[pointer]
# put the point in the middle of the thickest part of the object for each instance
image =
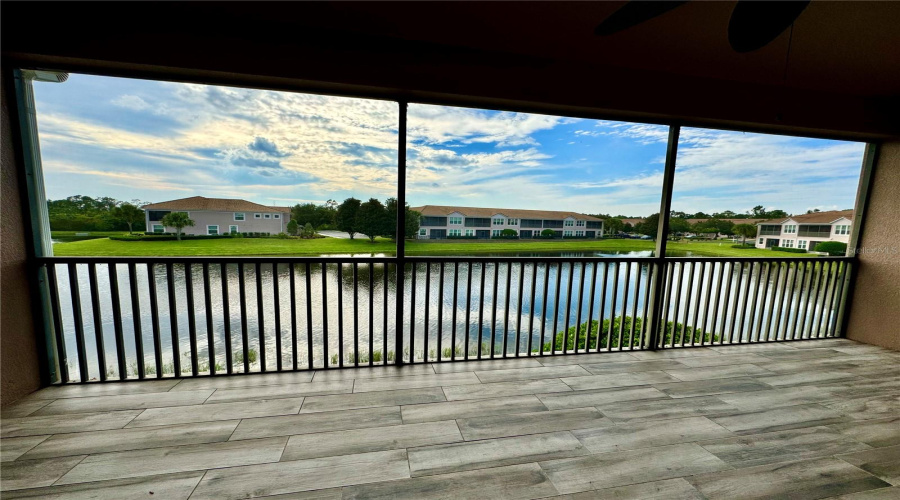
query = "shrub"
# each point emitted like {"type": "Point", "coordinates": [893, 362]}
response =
{"type": "Point", "coordinates": [833, 248]}
{"type": "Point", "coordinates": [744, 245]}
{"type": "Point", "coordinates": [293, 228]}
{"type": "Point", "coordinates": [547, 234]}
{"type": "Point", "coordinates": [789, 250]}
{"type": "Point", "coordinates": [308, 231]}
{"type": "Point", "coordinates": [282, 236]}
{"type": "Point", "coordinates": [462, 237]}
{"type": "Point", "coordinates": [677, 329]}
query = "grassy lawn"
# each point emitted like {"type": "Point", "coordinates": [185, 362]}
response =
{"type": "Point", "coordinates": [274, 246]}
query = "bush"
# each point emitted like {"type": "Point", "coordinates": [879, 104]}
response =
{"type": "Point", "coordinates": [833, 248]}
{"type": "Point", "coordinates": [503, 237]}
{"type": "Point", "coordinates": [282, 236]}
{"type": "Point", "coordinates": [789, 250]}
{"type": "Point", "coordinates": [462, 237]}
{"type": "Point", "coordinates": [167, 237]}
{"type": "Point", "coordinates": [744, 245]}
{"type": "Point", "coordinates": [673, 330]}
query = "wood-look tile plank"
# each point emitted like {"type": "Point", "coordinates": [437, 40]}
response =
{"type": "Point", "coordinates": [717, 372]}
{"type": "Point", "coordinates": [492, 364]}
{"type": "Point", "coordinates": [281, 391]}
{"type": "Point", "coordinates": [811, 377]}
{"type": "Point", "coordinates": [514, 482]}
{"type": "Point", "coordinates": [372, 399]}
{"type": "Point", "coordinates": [505, 389]}
{"type": "Point", "coordinates": [711, 387]}
{"type": "Point", "coordinates": [782, 446]}
{"type": "Point", "coordinates": [170, 459]}
{"type": "Point", "coordinates": [789, 396]}
{"type": "Point", "coordinates": [301, 475]}
{"type": "Point", "coordinates": [879, 494]}
{"type": "Point", "coordinates": [396, 383]}
{"type": "Point", "coordinates": [458, 457]}
{"type": "Point", "coordinates": [348, 442]}
{"type": "Point", "coordinates": [585, 359]}
{"type": "Point", "coordinates": [242, 381]}
{"type": "Point", "coordinates": [334, 375]}
{"type": "Point", "coordinates": [104, 389]}
{"type": "Point", "coordinates": [674, 353]}
{"type": "Point", "coordinates": [803, 480]}
{"type": "Point", "coordinates": [581, 399]}
{"type": "Point", "coordinates": [752, 348]}
{"type": "Point", "coordinates": [778, 419]}
{"type": "Point", "coordinates": [91, 404]}
{"type": "Point", "coordinates": [648, 434]}
{"type": "Point", "coordinates": [867, 408]}
{"type": "Point", "coordinates": [610, 380]}
{"type": "Point", "coordinates": [667, 489]}
{"type": "Point", "coordinates": [219, 411]}
{"type": "Point", "coordinates": [877, 433]}
{"type": "Point", "coordinates": [13, 448]}
{"type": "Point", "coordinates": [308, 423]}
{"type": "Point", "coordinates": [22, 474]}
{"type": "Point", "coordinates": [659, 409]}
{"type": "Point", "coordinates": [326, 494]}
{"type": "Point", "coordinates": [725, 359]}
{"type": "Point", "coordinates": [860, 387]}
{"type": "Point", "coordinates": [23, 408]}
{"type": "Point", "coordinates": [167, 486]}
{"type": "Point", "coordinates": [802, 354]}
{"type": "Point", "coordinates": [543, 372]}
{"type": "Point", "coordinates": [470, 408]}
{"type": "Point", "coordinates": [88, 443]}
{"type": "Point", "coordinates": [607, 470]}
{"type": "Point", "coordinates": [58, 424]}
{"type": "Point", "coordinates": [530, 423]}
{"type": "Point", "coordinates": [634, 366]}
{"type": "Point", "coordinates": [881, 462]}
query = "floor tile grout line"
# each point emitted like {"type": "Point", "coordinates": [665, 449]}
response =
{"type": "Point", "coordinates": [194, 489]}
{"type": "Point", "coordinates": [54, 483]}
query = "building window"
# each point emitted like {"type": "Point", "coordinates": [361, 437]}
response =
{"type": "Point", "coordinates": [423, 232]}
{"type": "Point", "coordinates": [239, 216]}
{"type": "Point", "coordinates": [579, 233]}
{"type": "Point", "coordinates": [159, 228]}
{"type": "Point", "coordinates": [267, 216]}
{"type": "Point", "coordinates": [567, 234]}
{"type": "Point", "coordinates": [760, 241]}
{"type": "Point", "coordinates": [232, 229]}
{"type": "Point", "coordinates": [498, 222]}
{"type": "Point", "coordinates": [842, 230]}
{"type": "Point", "coordinates": [257, 216]}
{"type": "Point", "coordinates": [569, 223]}
{"type": "Point", "coordinates": [470, 232]}
{"type": "Point", "coordinates": [787, 243]}
{"type": "Point", "coordinates": [212, 229]}
{"type": "Point", "coordinates": [512, 222]}
{"type": "Point", "coordinates": [579, 223]}
{"type": "Point", "coordinates": [454, 232]}
{"type": "Point", "coordinates": [276, 216]}
{"type": "Point", "coordinates": [495, 232]}
{"type": "Point", "coordinates": [801, 244]}
{"type": "Point", "coordinates": [455, 221]}
{"type": "Point", "coordinates": [790, 229]}
{"type": "Point", "coordinates": [769, 230]}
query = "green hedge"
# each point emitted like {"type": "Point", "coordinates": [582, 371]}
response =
{"type": "Point", "coordinates": [789, 250]}
{"type": "Point", "coordinates": [505, 237]}
{"type": "Point", "coordinates": [691, 335]}
{"type": "Point", "coordinates": [833, 248]}
{"type": "Point", "coordinates": [167, 237]}
{"type": "Point", "coordinates": [745, 245]}
{"type": "Point", "coordinates": [462, 237]}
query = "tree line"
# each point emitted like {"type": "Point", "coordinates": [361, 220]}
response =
{"type": "Point", "coordinates": [84, 213]}
{"type": "Point", "coordinates": [371, 218]}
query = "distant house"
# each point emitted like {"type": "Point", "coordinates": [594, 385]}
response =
{"type": "Point", "coordinates": [439, 222]}
{"type": "Point", "coordinates": [219, 216]}
{"type": "Point", "coordinates": [805, 231]}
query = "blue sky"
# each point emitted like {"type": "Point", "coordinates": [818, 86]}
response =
{"type": "Point", "coordinates": [156, 141]}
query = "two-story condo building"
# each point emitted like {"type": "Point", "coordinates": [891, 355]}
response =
{"type": "Point", "coordinates": [439, 222]}
{"type": "Point", "coordinates": [219, 216]}
{"type": "Point", "coordinates": [805, 231]}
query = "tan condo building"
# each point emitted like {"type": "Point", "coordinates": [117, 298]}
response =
{"type": "Point", "coordinates": [440, 222]}
{"type": "Point", "coordinates": [214, 216]}
{"type": "Point", "coordinates": [805, 231]}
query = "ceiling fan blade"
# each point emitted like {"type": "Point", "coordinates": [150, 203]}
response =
{"type": "Point", "coordinates": [634, 13]}
{"type": "Point", "coordinates": [754, 25]}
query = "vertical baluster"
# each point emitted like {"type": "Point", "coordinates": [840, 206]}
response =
{"type": "Point", "coordinates": [325, 359]}
{"type": "Point", "coordinates": [426, 327]}
{"type": "Point", "coordinates": [340, 313]}
{"type": "Point", "coordinates": [810, 280]}
{"type": "Point", "coordinates": [440, 312]}
{"type": "Point", "coordinates": [53, 285]}
{"type": "Point", "coordinates": [565, 345]}
{"type": "Point", "coordinates": [590, 315]}
{"type": "Point", "coordinates": [226, 318]}
{"type": "Point", "coordinates": [371, 267]}
{"type": "Point", "coordinates": [689, 276]}
{"type": "Point", "coordinates": [210, 333]}
{"type": "Point", "coordinates": [519, 317]}
{"type": "Point", "coordinates": [602, 311]}
{"type": "Point", "coordinates": [624, 303]}
{"type": "Point", "coordinates": [715, 310]}
{"type": "Point", "coordinates": [412, 314]}
{"type": "Point", "coordinates": [818, 280]}
{"type": "Point", "coordinates": [544, 304]}
{"type": "Point", "coordinates": [260, 318]}
{"type": "Point", "coordinates": [826, 282]}
{"type": "Point", "coordinates": [699, 295]}
{"type": "Point", "coordinates": [836, 297]}
{"type": "Point", "coordinates": [453, 312]}
{"type": "Point", "coordinates": [648, 284]}
{"type": "Point", "coordinates": [770, 309]}
{"type": "Point", "coordinates": [384, 318]}
{"type": "Point", "coordinates": [98, 320]}
{"type": "Point", "coordinates": [494, 308]}
{"type": "Point", "coordinates": [75, 292]}
{"type": "Point", "coordinates": [173, 318]}
{"type": "Point", "coordinates": [801, 267]}
{"type": "Point", "coordinates": [634, 302]}
{"type": "Point", "coordinates": [192, 320]}
{"type": "Point", "coordinates": [531, 307]}
{"type": "Point", "coordinates": [785, 275]}
{"type": "Point", "coordinates": [759, 297]}
{"type": "Point", "coordinates": [737, 299]}
{"type": "Point", "coordinates": [292, 291]}
{"type": "Point", "coordinates": [669, 270]}
{"type": "Point", "coordinates": [245, 332]}
{"type": "Point", "coordinates": [356, 314]}
{"type": "Point", "coordinates": [309, 325]}
{"type": "Point", "coordinates": [706, 300]}
{"type": "Point", "coordinates": [481, 310]}
{"type": "Point", "coordinates": [681, 266]}
{"type": "Point", "coordinates": [506, 309]}
{"type": "Point", "coordinates": [276, 306]}
{"type": "Point", "coordinates": [610, 331]}
{"type": "Point", "coordinates": [556, 306]}
{"type": "Point", "coordinates": [136, 320]}
{"type": "Point", "coordinates": [469, 268]}
{"type": "Point", "coordinates": [154, 320]}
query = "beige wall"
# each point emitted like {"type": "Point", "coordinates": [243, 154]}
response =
{"type": "Point", "coordinates": [19, 367]}
{"type": "Point", "coordinates": [875, 305]}
{"type": "Point", "coordinates": [250, 224]}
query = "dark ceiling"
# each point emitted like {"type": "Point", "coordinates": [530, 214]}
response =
{"type": "Point", "coordinates": [837, 72]}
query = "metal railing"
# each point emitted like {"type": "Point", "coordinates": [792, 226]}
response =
{"type": "Point", "coordinates": [135, 318]}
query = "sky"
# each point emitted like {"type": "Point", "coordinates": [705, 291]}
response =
{"type": "Point", "coordinates": [156, 141]}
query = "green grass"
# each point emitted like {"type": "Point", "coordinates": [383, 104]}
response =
{"type": "Point", "coordinates": [275, 246]}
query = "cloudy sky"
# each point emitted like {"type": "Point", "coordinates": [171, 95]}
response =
{"type": "Point", "coordinates": [156, 141]}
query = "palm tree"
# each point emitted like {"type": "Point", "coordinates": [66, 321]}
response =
{"type": "Point", "coordinates": [178, 220]}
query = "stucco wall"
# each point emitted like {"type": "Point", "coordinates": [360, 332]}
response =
{"type": "Point", "coordinates": [19, 368]}
{"type": "Point", "coordinates": [875, 305]}
{"type": "Point", "coordinates": [250, 224]}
